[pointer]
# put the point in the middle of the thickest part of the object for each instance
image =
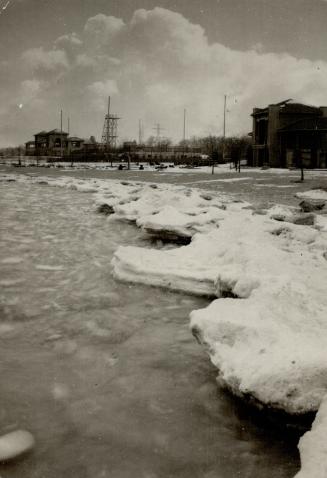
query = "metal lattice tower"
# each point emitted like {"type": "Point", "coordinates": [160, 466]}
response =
{"type": "Point", "coordinates": [158, 129]}
{"type": "Point", "coordinates": [110, 128]}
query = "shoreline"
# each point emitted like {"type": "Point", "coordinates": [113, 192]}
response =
{"type": "Point", "coordinates": [133, 185]}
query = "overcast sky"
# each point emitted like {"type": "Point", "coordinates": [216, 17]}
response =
{"type": "Point", "coordinates": [155, 58]}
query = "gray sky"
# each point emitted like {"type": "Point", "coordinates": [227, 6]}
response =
{"type": "Point", "coordinates": [155, 58]}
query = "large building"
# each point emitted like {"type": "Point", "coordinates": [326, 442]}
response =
{"type": "Point", "coordinates": [53, 143]}
{"type": "Point", "coordinates": [289, 134]}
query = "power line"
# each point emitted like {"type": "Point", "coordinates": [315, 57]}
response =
{"type": "Point", "coordinates": [158, 128]}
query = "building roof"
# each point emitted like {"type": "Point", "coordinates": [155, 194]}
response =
{"type": "Point", "coordinates": [299, 108]}
{"type": "Point", "coordinates": [307, 124]}
{"type": "Point", "coordinates": [53, 131]}
{"type": "Point", "coordinates": [75, 138]}
{"type": "Point", "coordinates": [290, 107]}
{"type": "Point", "coordinates": [57, 131]}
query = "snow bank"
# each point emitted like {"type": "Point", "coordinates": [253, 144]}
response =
{"type": "Point", "coordinates": [313, 448]}
{"type": "Point", "coordinates": [267, 331]}
{"type": "Point", "coordinates": [313, 194]}
{"type": "Point", "coordinates": [182, 224]}
{"type": "Point", "coordinates": [268, 342]}
{"type": "Point", "coordinates": [172, 212]}
{"type": "Point", "coordinates": [292, 214]}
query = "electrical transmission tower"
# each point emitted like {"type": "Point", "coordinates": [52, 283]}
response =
{"type": "Point", "coordinates": [158, 130]}
{"type": "Point", "coordinates": [110, 128]}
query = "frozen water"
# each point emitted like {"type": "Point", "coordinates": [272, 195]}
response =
{"type": "Point", "coordinates": [313, 194]}
{"type": "Point", "coordinates": [106, 375]}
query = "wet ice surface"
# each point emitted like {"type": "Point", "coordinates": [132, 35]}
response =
{"type": "Point", "coordinates": [105, 375]}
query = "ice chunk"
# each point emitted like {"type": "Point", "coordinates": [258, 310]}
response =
{"type": "Point", "coordinates": [313, 448]}
{"type": "Point", "coordinates": [269, 341]}
{"type": "Point", "coordinates": [313, 194]}
{"type": "Point", "coordinates": [15, 444]}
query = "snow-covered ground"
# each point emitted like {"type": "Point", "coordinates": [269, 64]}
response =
{"type": "Point", "coordinates": [266, 331]}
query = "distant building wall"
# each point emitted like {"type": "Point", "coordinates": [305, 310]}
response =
{"type": "Point", "coordinates": [289, 134]}
{"type": "Point", "coordinates": [273, 139]}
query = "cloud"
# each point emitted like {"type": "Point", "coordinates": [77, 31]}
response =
{"type": "Point", "coordinates": [101, 29]}
{"type": "Point", "coordinates": [99, 92]}
{"type": "Point", "coordinates": [42, 61]}
{"type": "Point", "coordinates": [70, 44]}
{"type": "Point", "coordinates": [29, 90]}
{"type": "Point", "coordinates": [154, 66]}
{"type": "Point", "coordinates": [68, 40]}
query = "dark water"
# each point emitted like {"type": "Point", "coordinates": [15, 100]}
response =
{"type": "Point", "coordinates": [107, 376]}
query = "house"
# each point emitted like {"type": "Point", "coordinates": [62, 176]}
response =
{"type": "Point", "coordinates": [290, 134]}
{"type": "Point", "coordinates": [50, 143]}
{"type": "Point", "coordinates": [54, 143]}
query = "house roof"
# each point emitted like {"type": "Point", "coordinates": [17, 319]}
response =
{"type": "Point", "coordinates": [307, 124]}
{"type": "Point", "coordinates": [299, 108]}
{"type": "Point", "coordinates": [75, 138]}
{"type": "Point", "coordinates": [290, 107]}
{"type": "Point", "coordinates": [53, 131]}
{"type": "Point", "coordinates": [57, 131]}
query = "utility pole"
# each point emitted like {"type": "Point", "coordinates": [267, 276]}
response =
{"type": "Point", "coordinates": [61, 150]}
{"type": "Point", "coordinates": [140, 132]}
{"type": "Point", "coordinates": [68, 125]}
{"type": "Point", "coordinates": [184, 125]}
{"type": "Point", "coordinates": [184, 128]}
{"type": "Point", "coordinates": [224, 130]}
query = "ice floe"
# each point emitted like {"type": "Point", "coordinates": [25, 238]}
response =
{"type": "Point", "coordinates": [313, 194]}
{"type": "Point", "coordinates": [264, 334]}
{"type": "Point", "coordinates": [266, 330]}
{"type": "Point", "coordinates": [313, 449]}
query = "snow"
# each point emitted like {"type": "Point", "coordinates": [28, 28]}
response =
{"type": "Point", "coordinates": [280, 186]}
{"type": "Point", "coordinates": [321, 223]}
{"type": "Point", "coordinates": [228, 180]}
{"type": "Point", "coordinates": [15, 444]}
{"type": "Point", "coordinates": [268, 342]}
{"type": "Point", "coordinates": [266, 329]}
{"type": "Point", "coordinates": [313, 194]}
{"type": "Point", "coordinates": [281, 212]}
{"type": "Point", "coordinates": [165, 209]}
{"type": "Point", "coordinates": [292, 214]}
{"type": "Point", "coordinates": [45, 267]}
{"type": "Point", "coordinates": [183, 224]}
{"type": "Point", "coordinates": [313, 448]}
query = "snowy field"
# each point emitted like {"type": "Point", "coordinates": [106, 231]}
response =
{"type": "Point", "coordinates": [264, 267]}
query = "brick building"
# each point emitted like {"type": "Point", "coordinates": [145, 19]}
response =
{"type": "Point", "coordinates": [289, 134]}
{"type": "Point", "coordinates": [53, 143]}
